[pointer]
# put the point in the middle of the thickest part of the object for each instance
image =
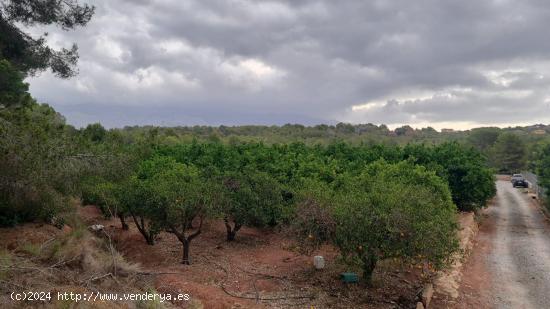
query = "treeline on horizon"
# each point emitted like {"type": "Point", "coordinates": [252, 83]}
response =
{"type": "Point", "coordinates": [507, 150]}
{"type": "Point", "coordinates": [353, 133]}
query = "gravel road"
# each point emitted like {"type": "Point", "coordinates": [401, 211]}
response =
{"type": "Point", "coordinates": [518, 261]}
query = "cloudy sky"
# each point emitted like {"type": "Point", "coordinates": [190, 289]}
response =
{"type": "Point", "coordinates": [455, 64]}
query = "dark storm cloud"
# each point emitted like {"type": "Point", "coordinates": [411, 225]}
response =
{"type": "Point", "coordinates": [453, 63]}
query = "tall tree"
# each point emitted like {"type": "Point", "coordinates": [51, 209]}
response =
{"type": "Point", "coordinates": [508, 153]}
{"type": "Point", "coordinates": [13, 91]}
{"type": "Point", "coordinates": [32, 55]}
{"type": "Point", "coordinates": [483, 138]}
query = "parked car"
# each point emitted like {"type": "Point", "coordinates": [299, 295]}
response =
{"type": "Point", "coordinates": [519, 181]}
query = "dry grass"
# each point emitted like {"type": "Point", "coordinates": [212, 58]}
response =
{"type": "Point", "coordinates": [77, 261]}
{"type": "Point", "coordinates": [91, 254]}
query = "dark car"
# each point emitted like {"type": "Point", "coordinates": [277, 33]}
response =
{"type": "Point", "coordinates": [518, 181]}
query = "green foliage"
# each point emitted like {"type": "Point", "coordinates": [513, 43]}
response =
{"type": "Point", "coordinates": [472, 184]}
{"type": "Point", "coordinates": [509, 153]}
{"type": "Point", "coordinates": [36, 173]}
{"type": "Point", "coordinates": [186, 197]}
{"type": "Point", "coordinates": [167, 195]}
{"type": "Point", "coordinates": [395, 210]}
{"type": "Point", "coordinates": [94, 132]}
{"type": "Point", "coordinates": [464, 168]}
{"type": "Point", "coordinates": [313, 222]}
{"type": "Point", "coordinates": [254, 199]}
{"type": "Point", "coordinates": [138, 199]}
{"type": "Point", "coordinates": [470, 181]}
{"type": "Point", "coordinates": [30, 55]}
{"type": "Point", "coordinates": [13, 91]}
{"type": "Point", "coordinates": [105, 195]}
{"type": "Point", "coordinates": [483, 138]}
{"type": "Point", "coordinates": [543, 167]}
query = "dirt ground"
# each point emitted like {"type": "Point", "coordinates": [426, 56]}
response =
{"type": "Point", "coordinates": [260, 269]}
{"type": "Point", "coordinates": [475, 284]}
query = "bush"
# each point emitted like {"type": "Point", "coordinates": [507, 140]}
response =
{"type": "Point", "coordinates": [395, 210]}
{"type": "Point", "coordinates": [106, 195]}
{"type": "Point", "coordinates": [543, 167]}
{"type": "Point", "coordinates": [35, 176]}
{"type": "Point", "coordinates": [471, 182]}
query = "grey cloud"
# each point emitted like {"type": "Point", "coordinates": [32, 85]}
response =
{"type": "Point", "coordinates": [244, 60]}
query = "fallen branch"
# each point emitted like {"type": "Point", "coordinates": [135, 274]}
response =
{"type": "Point", "coordinates": [158, 273]}
{"type": "Point", "coordinates": [47, 242]}
{"type": "Point", "coordinates": [92, 278]}
{"type": "Point", "coordinates": [63, 262]}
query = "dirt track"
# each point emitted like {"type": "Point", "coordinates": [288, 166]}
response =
{"type": "Point", "coordinates": [510, 264]}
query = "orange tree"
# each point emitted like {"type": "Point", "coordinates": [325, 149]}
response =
{"type": "Point", "coordinates": [254, 199]}
{"type": "Point", "coordinates": [184, 197]}
{"type": "Point", "coordinates": [165, 195]}
{"type": "Point", "coordinates": [394, 210]}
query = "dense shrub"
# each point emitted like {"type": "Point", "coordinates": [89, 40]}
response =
{"type": "Point", "coordinates": [36, 173]}
{"type": "Point", "coordinates": [107, 196]}
{"type": "Point", "coordinates": [542, 166]}
{"type": "Point", "coordinates": [471, 182]}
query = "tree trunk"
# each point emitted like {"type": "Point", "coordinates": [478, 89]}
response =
{"type": "Point", "coordinates": [150, 240]}
{"type": "Point", "coordinates": [185, 259]}
{"type": "Point", "coordinates": [231, 235]}
{"type": "Point", "coordinates": [186, 241]}
{"type": "Point", "coordinates": [231, 232]}
{"type": "Point", "coordinates": [125, 226]}
{"type": "Point", "coordinates": [369, 264]}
